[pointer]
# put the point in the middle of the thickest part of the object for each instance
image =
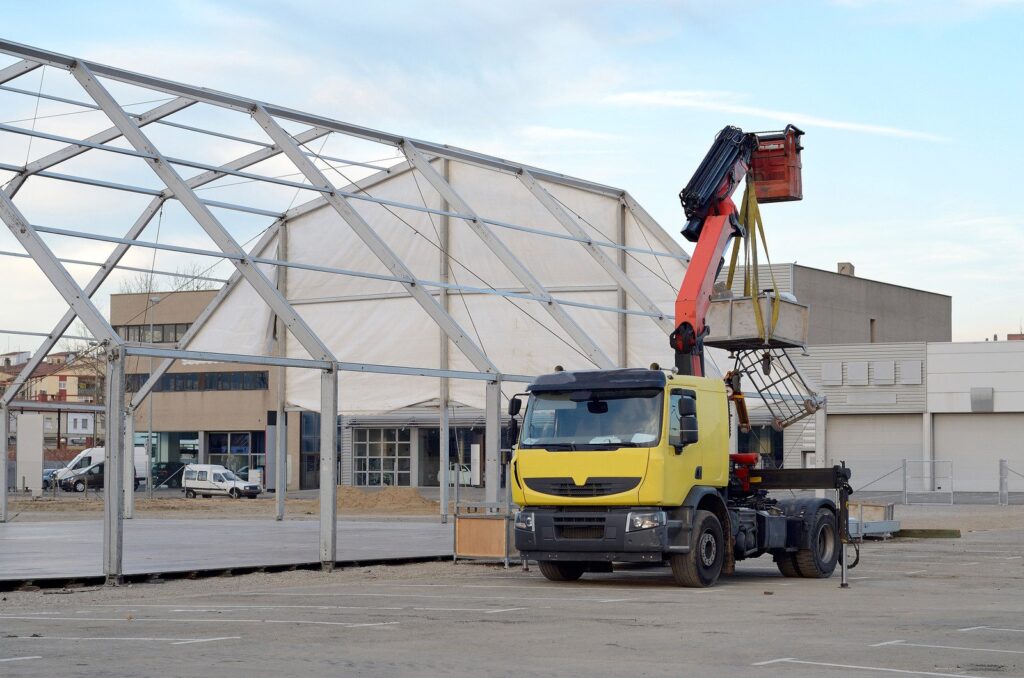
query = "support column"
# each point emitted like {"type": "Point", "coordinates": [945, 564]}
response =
{"type": "Point", "coordinates": [201, 456]}
{"type": "Point", "coordinates": [444, 433]}
{"type": "Point", "coordinates": [281, 430]}
{"type": "Point", "coordinates": [621, 299]}
{"type": "Point", "coordinates": [492, 443]}
{"type": "Point", "coordinates": [328, 469]}
{"type": "Point", "coordinates": [129, 465]}
{"type": "Point", "coordinates": [281, 448]}
{"type": "Point", "coordinates": [5, 420]}
{"type": "Point", "coordinates": [113, 525]}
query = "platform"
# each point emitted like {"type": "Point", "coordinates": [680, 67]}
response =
{"type": "Point", "coordinates": [74, 549]}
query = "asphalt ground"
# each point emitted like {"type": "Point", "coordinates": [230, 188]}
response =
{"type": "Point", "coordinates": [924, 607]}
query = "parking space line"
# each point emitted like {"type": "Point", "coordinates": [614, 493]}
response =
{"type": "Point", "coordinates": [219, 621]}
{"type": "Point", "coordinates": [903, 643]}
{"type": "Point", "coordinates": [20, 659]}
{"type": "Point", "coordinates": [206, 640]}
{"type": "Point", "coordinates": [443, 597]}
{"type": "Point", "coordinates": [915, 572]}
{"type": "Point", "coordinates": [790, 660]}
{"type": "Point", "coordinates": [991, 628]}
{"type": "Point", "coordinates": [141, 639]}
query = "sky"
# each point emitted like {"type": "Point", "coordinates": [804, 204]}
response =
{"type": "Point", "coordinates": [911, 109]}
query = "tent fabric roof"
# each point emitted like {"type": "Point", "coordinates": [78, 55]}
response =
{"type": "Point", "coordinates": [371, 320]}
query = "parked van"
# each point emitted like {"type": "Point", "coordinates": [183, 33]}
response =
{"type": "Point", "coordinates": [211, 479]}
{"type": "Point", "coordinates": [91, 456]}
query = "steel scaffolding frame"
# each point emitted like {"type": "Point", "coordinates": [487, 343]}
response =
{"type": "Point", "coordinates": [423, 158]}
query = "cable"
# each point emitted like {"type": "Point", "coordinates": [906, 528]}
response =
{"type": "Point", "coordinates": [35, 115]}
{"type": "Point", "coordinates": [90, 110]}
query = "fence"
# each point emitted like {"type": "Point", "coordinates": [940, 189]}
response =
{"type": "Point", "coordinates": [1008, 478]}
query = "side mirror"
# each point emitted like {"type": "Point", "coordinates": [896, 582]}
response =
{"type": "Point", "coordinates": [687, 429]}
{"type": "Point", "coordinates": [514, 405]}
{"type": "Point", "coordinates": [513, 432]}
{"type": "Point", "coordinates": [688, 406]}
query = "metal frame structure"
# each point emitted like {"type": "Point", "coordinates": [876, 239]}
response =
{"type": "Point", "coordinates": [427, 159]}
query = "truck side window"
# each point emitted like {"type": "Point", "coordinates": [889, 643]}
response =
{"type": "Point", "coordinates": [218, 478]}
{"type": "Point", "coordinates": [673, 419]}
{"type": "Point", "coordinates": [202, 475]}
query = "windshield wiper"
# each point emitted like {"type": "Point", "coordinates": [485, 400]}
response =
{"type": "Point", "coordinates": [557, 446]}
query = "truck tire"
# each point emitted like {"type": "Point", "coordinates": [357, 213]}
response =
{"type": "Point", "coordinates": [701, 567]}
{"type": "Point", "coordinates": [79, 486]}
{"type": "Point", "coordinates": [786, 563]}
{"type": "Point", "coordinates": [819, 561]}
{"type": "Point", "coordinates": [560, 571]}
{"type": "Point", "coordinates": [190, 494]}
{"type": "Point", "coordinates": [234, 493]}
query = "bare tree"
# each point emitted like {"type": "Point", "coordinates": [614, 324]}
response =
{"type": "Point", "coordinates": [191, 277]}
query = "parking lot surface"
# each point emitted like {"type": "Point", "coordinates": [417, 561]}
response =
{"type": "Point", "coordinates": [915, 607]}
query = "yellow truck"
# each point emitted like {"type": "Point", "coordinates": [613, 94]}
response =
{"type": "Point", "coordinates": [633, 465]}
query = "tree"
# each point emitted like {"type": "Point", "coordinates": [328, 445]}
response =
{"type": "Point", "coordinates": [190, 278]}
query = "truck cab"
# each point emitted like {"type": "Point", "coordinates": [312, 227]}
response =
{"type": "Point", "coordinates": [633, 465]}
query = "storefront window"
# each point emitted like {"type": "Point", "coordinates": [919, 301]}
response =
{"type": "Point", "coordinates": [382, 456]}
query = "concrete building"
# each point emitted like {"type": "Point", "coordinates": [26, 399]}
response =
{"type": "Point", "coordinates": [953, 410]}
{"type": "Point", "coordinates": [845, 309]}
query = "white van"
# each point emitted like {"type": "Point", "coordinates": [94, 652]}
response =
{"type": "Point", "coordinates": [94, 455]}
{"type": "Point", "coordinates": [211, 479]}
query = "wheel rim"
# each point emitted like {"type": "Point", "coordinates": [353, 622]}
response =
{"type": "Point", "coordinates": [707, 548]}
{"type": "Point", "coordinates": [826, 543]}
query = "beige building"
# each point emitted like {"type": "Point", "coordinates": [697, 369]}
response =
{"type": "Point", "coordinates": [64, 377]}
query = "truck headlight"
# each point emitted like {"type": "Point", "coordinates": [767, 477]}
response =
{"type": "Point", "coordinates": [644, 521]}
{"type": "Point", "coordinates": [524, 520]}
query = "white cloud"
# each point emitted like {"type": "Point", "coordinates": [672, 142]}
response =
{"type": "Point", "coordinates": [540, 133]}
{"type": "Point", "coordinates": [724, 102]}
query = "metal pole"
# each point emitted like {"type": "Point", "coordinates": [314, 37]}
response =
{"type": "Point", "coordinates": [280, 430]}
{"type": "Point", "coordinates": [443, 432]}
{"type": "Point", "coordinates": [149, 433]}
{"type": "Point", "coordinates": [492, 443]}
{"type": "Point", "coordinates": [328, 469]}
{"type": "Point", "coordinates": [281, 448]}
{"type": "Point", "coordinates": [128, 463]}
{"type": "Point", "coordinates": [904, 482]}
{"type": "Point", "coordinates": [1004, 483]}
{"type": "Point", "coordinates": [445, 453]}
{"type": "Point", "coordinates": [113, 525]}
{"type": "Point", "coordinates": [4, 423]}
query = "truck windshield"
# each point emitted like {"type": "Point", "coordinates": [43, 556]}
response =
{"type": "Point", "coordinates": [593, 420]}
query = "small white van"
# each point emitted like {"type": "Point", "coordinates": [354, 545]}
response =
{"type": "Point", "coordinates": [210, 479]}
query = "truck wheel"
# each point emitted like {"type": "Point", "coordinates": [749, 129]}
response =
{"type": "Point", "coordinates": [701, 566]}
{"type": "Point", "coordinates": [560, 571]}
{"type": "Point", "coordinates": [79, 486]}
{"type": "Point", "coordinates": [190, 494]}
{"type": "Point", "coordinates": [786, 563]}
{"type": "Point", "coordinates": [819, 561]}
{"type": "Point", "coordinates": [234, 493]}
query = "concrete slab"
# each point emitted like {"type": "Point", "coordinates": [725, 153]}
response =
{"type": "Point", "coordinates": [74, 549]}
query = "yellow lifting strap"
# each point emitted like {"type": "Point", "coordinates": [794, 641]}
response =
{"type": "Point", "coordinates": [750, 219]}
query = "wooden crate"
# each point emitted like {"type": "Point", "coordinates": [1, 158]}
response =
{"type": "Point", "coordinates": [482, 536]}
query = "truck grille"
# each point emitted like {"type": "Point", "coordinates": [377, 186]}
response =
{"type": "Point", "coordinates": [594, 487]}
{"type": "Point", "coordinates": [581, 527]}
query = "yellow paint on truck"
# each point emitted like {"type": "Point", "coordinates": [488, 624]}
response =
{"type": "Point", "coordinates": [667, 474]}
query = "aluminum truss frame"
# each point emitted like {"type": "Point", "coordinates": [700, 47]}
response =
{"type": "Point", "coordinates": [420, 155]}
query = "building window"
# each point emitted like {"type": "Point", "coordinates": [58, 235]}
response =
{"type": "Point", "coordinates": [382, 456]}
{"type": "Point", "coordinates": [160, 333]}
{"type": "Point", "coordinates": [203, 381]}
{"type": "Point", "coordinates": [764, 440]}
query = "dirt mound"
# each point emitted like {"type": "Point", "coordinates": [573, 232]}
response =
{"type": "Point", "coordinates": [384, 500]}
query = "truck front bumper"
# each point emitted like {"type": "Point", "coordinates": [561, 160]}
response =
{"type": "Point", "coordinates": [598, 535]}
